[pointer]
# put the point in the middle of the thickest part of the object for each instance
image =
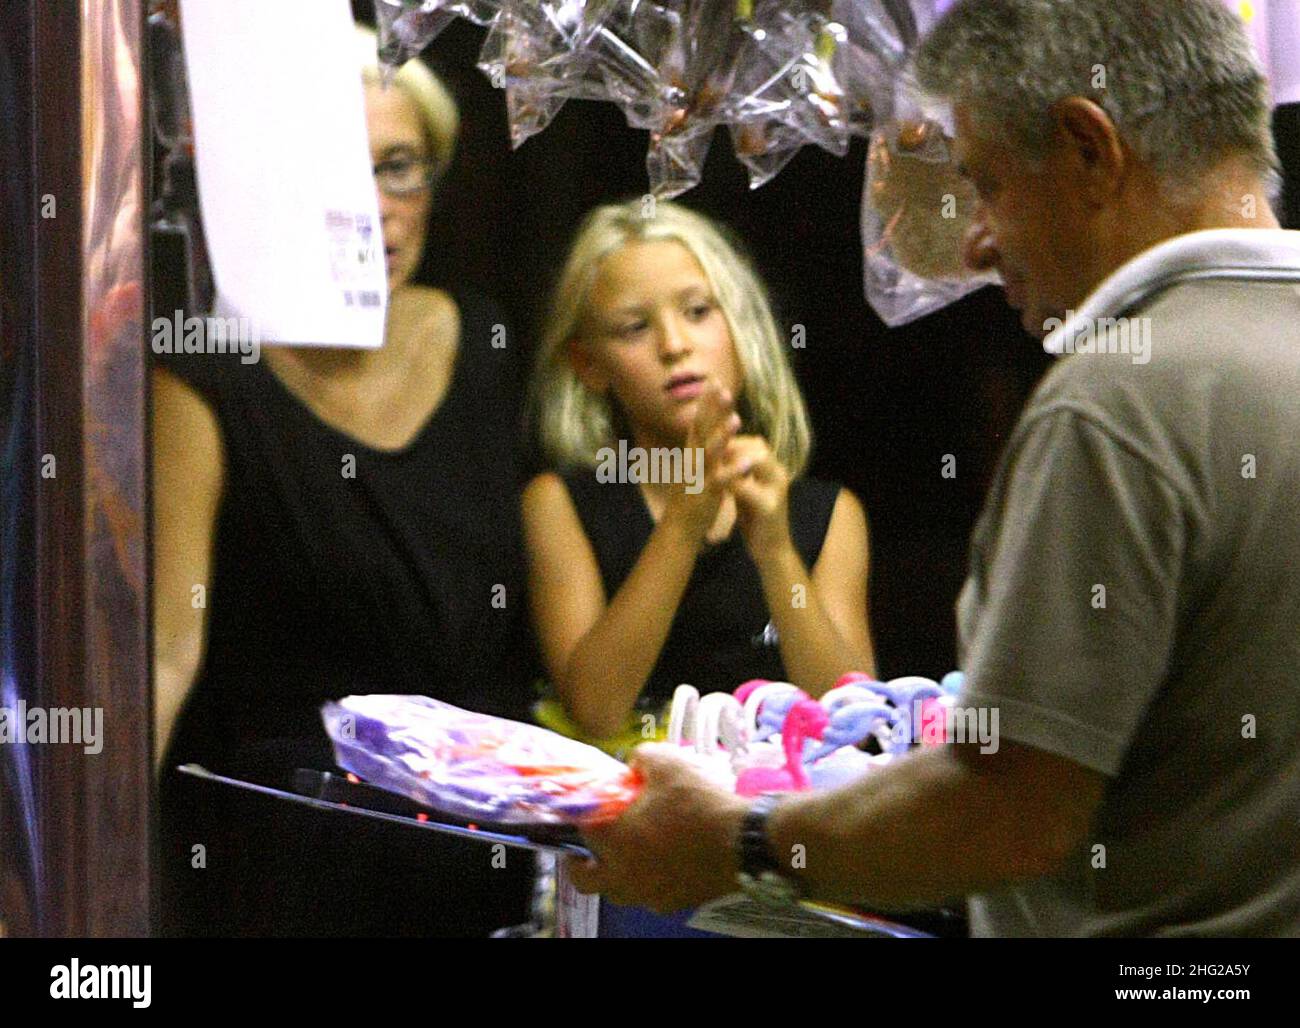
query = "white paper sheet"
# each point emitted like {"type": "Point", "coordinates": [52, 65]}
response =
{"type": "Point", "coordinates": [283, 160]}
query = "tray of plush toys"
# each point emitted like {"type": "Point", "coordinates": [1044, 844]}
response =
{"type": "Point", "coordinates": [763, 737]}
{"type": "Point", "coordinates": [434, 766]}
{"type": "Point", "coordinates": [773, 737]}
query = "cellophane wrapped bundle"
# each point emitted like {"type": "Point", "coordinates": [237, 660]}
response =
{"type": "Point", "coordinates": [779, 74]}
{"type": "Point", "coordinates": [872, 47]}
{"type": "Point", "coordinates": [537, 50]}
{"type": "Point", "coordinates": [406, 27]}
{"type": "Point", "coordinates": [916, 209]}
{"type": "Point", "coordinates": [784, 94]}
{"type": "Point", "coordinates": [670, 66]}
{"type": "Point", "coordinates": [475, 766]}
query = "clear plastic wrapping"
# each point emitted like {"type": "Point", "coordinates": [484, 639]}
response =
{"type": "Point", "coordinates": [670, 66]}
{"type": "Point", "coordinates": [916, 210]}
{"type": "Point", "coordinates": [785, 93]}
{"type": "Point", "coordinates": [824, 69]}
{"type": "Point", "coordinates": [537, 51]}
{"type": "Point", "coordinates": [876, 38]}
{"type": "Point", "coordinates": [406, 27]}
{"type": "Point", "coordinates": [475, 766]}
{"type": "Point", "coordinates": [779, 74]}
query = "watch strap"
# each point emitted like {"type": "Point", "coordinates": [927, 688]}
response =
{"type": "Point", "coordinates": [756, 856]}
{"type": "Point", "coordinates": [761, 876]}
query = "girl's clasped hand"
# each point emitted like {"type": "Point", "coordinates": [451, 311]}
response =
{"type": "Point", "coordinates": [739, 468]}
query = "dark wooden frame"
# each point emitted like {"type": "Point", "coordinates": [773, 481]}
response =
{"type": "Point", "coordinates": [75, 828]}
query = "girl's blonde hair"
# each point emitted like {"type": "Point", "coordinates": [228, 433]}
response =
{"type": "Point", "coordinates": [573, 423]}
{"type": "Point", "coordinates": [432, 99]}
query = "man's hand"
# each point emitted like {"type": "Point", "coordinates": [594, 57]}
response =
{"type": "Point", "coordinates": [674, 848]}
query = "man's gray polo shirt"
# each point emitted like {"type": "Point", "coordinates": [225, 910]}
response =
{"type": "Point", "coordinates": [1134, 605]}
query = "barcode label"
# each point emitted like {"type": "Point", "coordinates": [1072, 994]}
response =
{"type": "Point", "coordinates": [338, 221]}
{"type": "Point", "coordinates": [353, 257]}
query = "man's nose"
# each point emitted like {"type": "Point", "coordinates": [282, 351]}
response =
{"type": "Point", "coordinates": [979, 250]}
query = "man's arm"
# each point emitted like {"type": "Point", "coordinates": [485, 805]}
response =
{"type": "Point", "coordinates": [943, 823]}
{"type": "Point", "coordinates": [937, 825]}
{"type": "Point", "coordinates": [1071, 641]}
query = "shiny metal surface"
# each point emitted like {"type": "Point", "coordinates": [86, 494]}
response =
{"type": "Point", "coordinates": [74, 825]}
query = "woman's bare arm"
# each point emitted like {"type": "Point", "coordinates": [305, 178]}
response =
{"type": "Point", "coordinates": [188, 474]}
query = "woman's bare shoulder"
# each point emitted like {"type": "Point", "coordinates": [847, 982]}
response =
{"type": "Point", "coordinates": [433, 297]}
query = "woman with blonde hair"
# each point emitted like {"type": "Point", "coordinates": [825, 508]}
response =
{"type": "Point", "coordinates": [677, 540]}
{"type": "Point", "coordinates": [351, 517]}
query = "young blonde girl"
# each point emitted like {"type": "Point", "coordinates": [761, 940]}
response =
{"type": "Point", "coordinates": [661, 337]}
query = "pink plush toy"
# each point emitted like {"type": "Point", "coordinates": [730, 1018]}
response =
{"type": "Point", "coordinates": [807, 719]}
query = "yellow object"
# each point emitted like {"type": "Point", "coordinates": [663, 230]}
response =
{"type": "Point", "coordinates": [639, 728]}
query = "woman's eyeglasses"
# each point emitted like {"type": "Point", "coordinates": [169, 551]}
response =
{"type": "Point", "coordinates": [405, 176]}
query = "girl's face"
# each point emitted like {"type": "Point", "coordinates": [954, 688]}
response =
{"type": "Point", "coordinates": [400, 150]}
{"type": "Point", "coordinates": [654, 337]}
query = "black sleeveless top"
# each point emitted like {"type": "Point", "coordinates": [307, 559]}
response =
{"type": "Point", "coordinates": [722, 634]}
{"type": "Point", "coordinates": [341, 569]}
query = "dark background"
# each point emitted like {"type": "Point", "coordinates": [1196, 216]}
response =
{"type": "Point", "coordinates": [887, 404]}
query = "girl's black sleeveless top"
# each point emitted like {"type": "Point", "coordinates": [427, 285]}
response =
{"type": "Point", "coordinates": [722, 634]}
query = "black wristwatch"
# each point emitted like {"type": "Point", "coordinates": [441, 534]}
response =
{"type": "Point", "coordinates": [760, 871]}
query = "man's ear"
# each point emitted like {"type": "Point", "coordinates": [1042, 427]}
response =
{"type": "Point", "coordinates": [1091, 145]}
{"type": "Point", "coordinates": [589, 373]}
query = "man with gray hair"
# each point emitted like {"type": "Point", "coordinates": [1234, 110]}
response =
{"type": "Point", "coordinates": [1133, 606]}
